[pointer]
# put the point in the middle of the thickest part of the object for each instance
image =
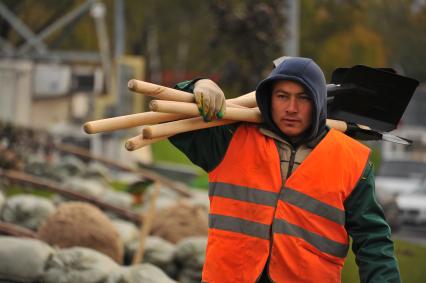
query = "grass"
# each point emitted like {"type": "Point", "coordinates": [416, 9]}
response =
{"type": "Point", "coordinates": [411, 257]}
{"type": "Point", "coordinates": [15, 189]}
{"type": "Point", "coordinates": [164, 151]}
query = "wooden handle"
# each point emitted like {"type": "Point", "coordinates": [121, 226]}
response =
{"type": "Point", "coordinates": [247, 100]}
{"type": "Point", "coordinates": [190, 109]}
{"type": "Point", "coordinates": [138, 142]}
{"type": "Point", "coordinates": [148, 118]}
{"type": "Point", "coordinates": [129, 121]}
{"type": "Point", "coordinates": [147, 225]}
{"type": "Point", "coordinates": [181, 126]}
{"type": "Point", "coordinates": [342, 126]}
{"type": "Point", "coordinates": [160, 92]}
{"type": "Point", "coordinates": [167, 93]}
{"type": "Point", "coordinates": [337, 125]}
{"type": "Point", "coordinates": [192, 124]}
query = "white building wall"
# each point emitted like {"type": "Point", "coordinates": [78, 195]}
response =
{"type": "Point", "coordinates": [16, 91]}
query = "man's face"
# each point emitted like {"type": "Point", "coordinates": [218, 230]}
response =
{"type": "Point", "coordinates": [291, 108]}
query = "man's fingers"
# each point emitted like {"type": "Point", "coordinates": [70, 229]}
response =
{"type": "Point", "coordinates": [210, 115]}
{"type": "Point", "coordinates": [199, 100]}
{"type": "Point", "coordinates": [207, 106]}
{"type": "Point", "coordinates": [222, 109]}
{"type": "Point", "coordinates": [217, 106]}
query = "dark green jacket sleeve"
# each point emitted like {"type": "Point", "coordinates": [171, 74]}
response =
{"type": "Point", "coordinates": [207, 147]}
{"type": "Point", "coordinates": [371, 242]}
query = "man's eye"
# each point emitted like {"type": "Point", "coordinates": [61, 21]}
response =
{"type": "Point", "coordinates": [305, 97]}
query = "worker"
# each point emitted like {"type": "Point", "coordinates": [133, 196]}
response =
{"type": "Point", "coordinates": [286, 195]}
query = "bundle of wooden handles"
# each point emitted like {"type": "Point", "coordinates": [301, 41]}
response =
{"type": "Point", "coordinates": [174, 111]}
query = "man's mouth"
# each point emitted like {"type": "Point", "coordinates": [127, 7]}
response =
{"type": "Point", "coordinates": [289, 120]}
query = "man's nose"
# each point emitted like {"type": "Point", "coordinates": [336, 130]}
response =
{"type": "Point", "coordinates": [292, 106]}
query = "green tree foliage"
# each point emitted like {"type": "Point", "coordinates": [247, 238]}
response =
{"type": "Point", "coordinates": [402, 24]}
{"type": "Point", "coordinates": [358, 45]}
{"type": "Point", "coordinates": [235, 41]}
{"type": "Point", "coordinates": [388, 33]}
{"type": "Point", "coordinates": [249, 34]}
{"type": "Point", "coordinates": [336, 34]}
{"type": "Point", "coordinates": [177, 23]}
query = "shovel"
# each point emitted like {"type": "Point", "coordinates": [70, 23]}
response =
{"type": "Point", "coordinates": [369, 96]}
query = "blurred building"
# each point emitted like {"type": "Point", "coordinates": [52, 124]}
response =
{"type": "Point", "coordinates": [58, 90]}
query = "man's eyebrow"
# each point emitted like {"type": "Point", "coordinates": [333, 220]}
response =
{"type": "Point", "coordinates": [286, 92]}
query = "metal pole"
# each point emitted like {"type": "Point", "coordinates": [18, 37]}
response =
{"type": "Point", "coordinates": [119, 34]}
{"type": "Point", "coordinates": [291, 11]}
{"type": "Point", "coordinates": [98, 13]}
{"type": "Point", "coordinates": [56, 25]}
{"type": "Point", "coordinates": [119, 29]}
{"type": "Point", "coordinates": [21, 28]}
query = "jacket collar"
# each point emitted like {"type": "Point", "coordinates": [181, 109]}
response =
{"type": "Point", "coordinates": [311, 144]}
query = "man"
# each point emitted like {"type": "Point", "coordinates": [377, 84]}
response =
{"type": "Point", "coordinates": [286, 195]}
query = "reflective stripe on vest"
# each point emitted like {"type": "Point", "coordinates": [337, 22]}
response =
{"type": "Point", "coordinates": [321, 243]}
{"type": "Point", "coordinates": [243, 193]}
{"type": "Point", "coordinates": [313, 205]}
{"type": "Point", "coordinates": [248, 195]}
{"type": "Point", "coordinates": [234, 224]}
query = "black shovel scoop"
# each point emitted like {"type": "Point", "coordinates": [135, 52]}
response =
{"type": "Point", "coordinates": [369, 96]}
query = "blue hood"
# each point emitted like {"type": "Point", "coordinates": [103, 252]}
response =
{"type": "Point", "coordinates": [306, 72]}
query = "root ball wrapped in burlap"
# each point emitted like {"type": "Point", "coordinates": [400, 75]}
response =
{"type": "Point", "coordinates": [180, 221]}
{"type": "Point", "coordinates": [82, 224]}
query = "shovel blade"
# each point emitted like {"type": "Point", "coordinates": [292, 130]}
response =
{"type": "Point", "coordinates": [378, 97]}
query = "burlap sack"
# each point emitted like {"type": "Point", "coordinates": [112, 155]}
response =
{"type": "Point", "coordinates": [158, 252]}
{"type": "Point", "coordinates": [80, 265]}
{"type": "Point", "coordinates": [91, 187]}
{"type": "Point", "coordinates": [188, 275]}
{"type": "Point", "coordinates": [23, 260]}
{"type": "Point", "coordinates": [127, 230]}
{"type": "Point", "coordinates": [141, 273]}
{"type": "Point", "coordinates": [120, 199]}
{"type": "Point", "coordinates": [27, 210]}
{"type": "Point", "coordinates": [191, 252]}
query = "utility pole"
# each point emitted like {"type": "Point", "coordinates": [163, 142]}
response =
{"type": "Point", "coordinates": [291, 12]}
{"type": "Point", "coordinates": [120, 38]}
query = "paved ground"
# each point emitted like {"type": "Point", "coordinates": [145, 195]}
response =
{"type": "Point", "coordinates": [412, 234]}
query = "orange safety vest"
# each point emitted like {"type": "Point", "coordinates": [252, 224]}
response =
{"type": "Point", "coordinates": [299, 226]}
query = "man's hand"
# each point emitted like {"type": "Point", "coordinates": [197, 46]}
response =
{"type": "Point", "coordinates": [210, 99]}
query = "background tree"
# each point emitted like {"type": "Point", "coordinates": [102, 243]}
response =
{"type": "Point", "coordinates": [248, 35]}
{"type": "Point", "coordinates": [336, 34]}
{"type": "Point", "coordinates": [402, 25]}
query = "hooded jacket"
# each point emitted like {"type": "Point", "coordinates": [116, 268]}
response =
{"type": "Point", "coordinates": [306, 72]}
